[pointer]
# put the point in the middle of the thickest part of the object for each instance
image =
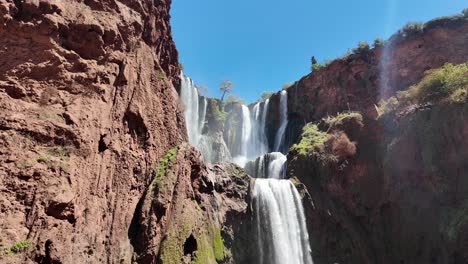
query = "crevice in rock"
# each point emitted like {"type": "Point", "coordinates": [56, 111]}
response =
{"type": "Point", "coordinates": [121, 78]}
{"type": "Point", "coordinates": [47, 258]}
{"type": "Point", "coordinates": [102, 146]}
{"type": "Point", "coordinates": [136, 127]}
{"type": "Point", "coordinates": [62, 211]}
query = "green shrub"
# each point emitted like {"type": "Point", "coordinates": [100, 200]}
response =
{"type": "Point", "coordinates": [447, 84]}
{"type": "Point", "coordinates": [378, 42]}
{"type": "Point", "coordinates": [312, 141]}
{"type": "Point", "coordinates": [16, 248]}
{"type": "Point", "coordinates": [218, 110]}
{"type": "Point", "coordinates": [20, 246]}
{"type": "Point", "coordinates": [342, 118]}
{"type": "Point", "coordinates": [412, 28]}
{"type": "Point", "coordinates": [319, 66]}
{"type": "Point", "coordinates": [362, 47]}
{"type": "Point", "coordinates": [441, 83]}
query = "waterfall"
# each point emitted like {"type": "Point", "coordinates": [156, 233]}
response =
{"type": "Point", "coordinates": [189, 97]}
{"type": "Point", "coordinates": [281, 227]}
{"type": "Point", "coordinates": [279, 215]}
{"type": "Point", "coordinates": [202, 115]}
{"type": "Point", "coordinates": [258, 140]}
{"type": "Point", "coordinates": [270, 165]}
{"type": "Point", "coordinates": [279, 139]}
{"type": "Point", "coordinates": [212, 147]}
{"type": "Point", "coordinates": [246, 131]}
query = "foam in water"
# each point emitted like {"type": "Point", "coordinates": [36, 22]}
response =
{"type": "Point", "coordinates": [279, 139]}
{"type": "Point", "coordinates": [281, 227]}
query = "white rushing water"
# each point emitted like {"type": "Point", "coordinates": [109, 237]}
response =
{"type": "Point", "coordinates": [281, 227]}
{"type": "Point", "coordinates": [258, 140]}
{"type": "Point", "coordinates": [270, 165]}
{"type": "Point", "coordinates": [189, 97]}
{"type": "Point", "coordinates": [279, 139]}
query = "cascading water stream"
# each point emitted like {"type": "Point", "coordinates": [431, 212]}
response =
{"type": "Point", "coordinates": [279, 139]}
{"type": "Point", "coordinates": [189, 97]}
{"type": "Point", "coordinates": [281, 227]}
{"type": "Point", "coordinates": [212, 147]}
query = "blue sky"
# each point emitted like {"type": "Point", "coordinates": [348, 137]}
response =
{"type": "Point", "coordinates": [262, 44]}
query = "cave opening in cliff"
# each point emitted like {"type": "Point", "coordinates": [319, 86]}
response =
{"type": "Point", "coordinates": [190, 246]}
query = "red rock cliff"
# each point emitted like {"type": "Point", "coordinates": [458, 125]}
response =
{"type": "Point", "coordinates": [88, 107]}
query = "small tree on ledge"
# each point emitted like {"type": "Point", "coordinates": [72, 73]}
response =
{"type": "Point", "coordinates": [225, 87]}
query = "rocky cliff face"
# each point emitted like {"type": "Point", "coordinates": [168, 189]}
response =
{"type": "Point", "coordinates": [401, 197]}
{"type": "Point", "coordinates": [88, 110]}
{"type": "Point", "coordinates": [390, 188]}
{"type": "Point", "coordinates": [191, 213]}
{"type": "Point", "coordinates": [357, 82]}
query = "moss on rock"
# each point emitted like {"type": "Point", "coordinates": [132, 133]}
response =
{"type": "Point", "coordinates": [160, 172]}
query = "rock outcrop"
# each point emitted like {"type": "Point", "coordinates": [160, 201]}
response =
{"type": "Point", "coordinates": [192, 213]}
{"type": "Point", "coordinates": [400, 198]}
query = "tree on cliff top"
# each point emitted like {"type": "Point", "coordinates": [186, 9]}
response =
{"type": "Point", "coordinates": [225, 87]}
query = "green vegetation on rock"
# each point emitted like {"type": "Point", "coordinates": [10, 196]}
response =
{"type": "Point", "coordinates": [378, 42]}
{"type": "Point", "coordinates": [16, 248]}
{"type": "Point", "coordinates": [218, 245]}
{"type": "Point", "coordinates": [448, 84]}
{"type": "Point", "coordinates": [160, 172]}
{"type": "Point", "coordinates": [342, 118]}
{"type": "Point", "coordinates": [232, 98]}
{"type": "Point", "coordinates": [218, 110]}
{"type": "Point", "coordinates": [312, 141]}
{"type": "Point", "coordinates": [362, 47]}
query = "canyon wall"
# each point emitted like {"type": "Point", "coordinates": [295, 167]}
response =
{"type": "Point", "coordinates": [359, 81]}
{"type": "Point", "coordinates": [395, 190]}
{"type": "Point", "coordinates": [89, 110]}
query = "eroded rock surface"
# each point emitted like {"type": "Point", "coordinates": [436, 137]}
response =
{"type": "Point", "coordinates": [88, 107]}
{"type": "Point", "coordinates": [400, 198]}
